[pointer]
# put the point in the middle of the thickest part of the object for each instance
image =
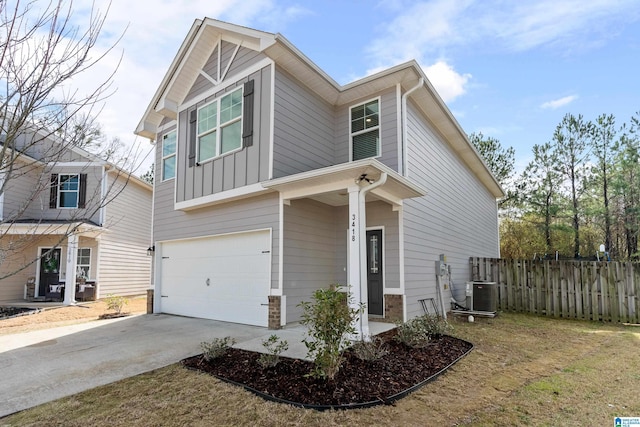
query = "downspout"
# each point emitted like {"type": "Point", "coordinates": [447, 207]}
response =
{"type": "Point", "coordinates": [403, 112]}
{"type": "Point", "coordinates": [364, 319]}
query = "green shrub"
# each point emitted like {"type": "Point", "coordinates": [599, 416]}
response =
{"type": "Point", "coordinates": [419, 331]}
{"type": "Point", "coordinates": [216, 347]}
{"type": "Point", "coordinates": [370, 351]}
{"type": "Point", "coordinates": [116, 303]}
{"type": "Point", "coordinates": [274, 346]}
{"type": "Point", "coordinates": [330, 321]}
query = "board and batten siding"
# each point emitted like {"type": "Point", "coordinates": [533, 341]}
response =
{"type": "Point", "coordinates": [245, 58]}
{"type": "Point", "coordinates": [388, 129]}
{"type": "Point", "coordinates": [124, 266]}
{"type": "Point", "coordinates": [303, 128]}
{"type": "Point", "coordinates": [457, 217]}
{"type": "Point", "coordinates": [246, 166]}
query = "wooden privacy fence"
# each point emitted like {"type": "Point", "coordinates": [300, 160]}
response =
{"type": "Point", "coordinates": [607, 291]}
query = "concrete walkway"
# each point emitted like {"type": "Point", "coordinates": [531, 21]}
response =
{"type": "Point", "coordinates": [41, 366]}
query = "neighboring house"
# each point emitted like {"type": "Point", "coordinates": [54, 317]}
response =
{"type": "Point", "coordinates": [273, 180]}
{"type": "Point", "coordinates": [68, 217]}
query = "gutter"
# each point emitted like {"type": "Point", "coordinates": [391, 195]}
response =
{"type": "Point", "coordinates": [403, 113]}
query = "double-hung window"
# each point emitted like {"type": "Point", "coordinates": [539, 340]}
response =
{"type": "Point", "coordinates": [365, 130]}
{"type": "Point", "coordinates": [68, 190]}
{"type": "Point", "coordinates": [169, 155]}
{"type": "Point", "coordinates": [220, 126]}
{"type": "Point", "coordinates": [83, 264]}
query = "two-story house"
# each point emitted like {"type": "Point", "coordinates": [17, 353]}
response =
{"type": "Point", "coordinates": [69, 217]}
{"type": "Point", "coordinates": [273, 181]}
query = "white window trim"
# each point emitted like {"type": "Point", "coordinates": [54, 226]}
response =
{"type": "Point", "coordinates": [379, 128]}
{"type": "Point", "coordinates": [218, 128]}
{"type": "Point", "coordinates": [78, 265]}
{"type": "Point", "coordinates": [60, 191]}
{"type": "Point", "coordinates": [174, 154]}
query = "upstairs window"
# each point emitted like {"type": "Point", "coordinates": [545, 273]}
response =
{"type": "Point", "coordinates": [68, 191]}
{"type": "Point", "coordinates": [169, 155]}
{"type": "Point", "coordinates": [365, 130]}
{"type": "Point", "coordinates": [220, 126]}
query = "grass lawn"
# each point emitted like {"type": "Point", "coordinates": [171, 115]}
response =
{"type": "Point", "coordinates": [524, 370]}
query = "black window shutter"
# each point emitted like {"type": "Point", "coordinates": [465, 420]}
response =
{"type": "Point", "coordinates": [82, 196]}
{"type": "Point", "coordinates": [193, 119]}
{"type": "Point", "coordinates": [53, 195]}
{"type": "Point", "coordinates": [247, 115]}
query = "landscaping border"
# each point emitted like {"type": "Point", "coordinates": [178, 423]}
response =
{"type": "Point", "coordinates": [362, 405]}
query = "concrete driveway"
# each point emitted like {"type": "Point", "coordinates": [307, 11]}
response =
{"type": "Point", "coordinates": [41, 366]}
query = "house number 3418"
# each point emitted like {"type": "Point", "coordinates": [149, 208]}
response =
{"type": "Point", "coordinates": [353, 227]}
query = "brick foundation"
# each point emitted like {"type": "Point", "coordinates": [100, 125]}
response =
{"type": "Point", "coordinates": [275, 313]}
{"type": "Point", "coordinates": [393, 308]}
{"type": "Point", "coordinates": [149, 301]}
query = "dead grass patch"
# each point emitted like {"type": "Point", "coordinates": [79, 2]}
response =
{"type": "Point", "coordinates": [524, 371]}
{"type": "Point", "coordinates": [61, 316]}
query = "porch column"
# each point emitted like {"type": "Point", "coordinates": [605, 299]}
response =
{"type": "Point", "coordinates": [356, 281]}
{"type": "Point", "coordinates": [70, 277]}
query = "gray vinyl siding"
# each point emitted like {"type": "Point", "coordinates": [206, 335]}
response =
{"type": "Point", "coordinates": [125, 267]}
{"type": "Point", "coordinates": [28, 191]}
{"type": "Point", "coordinates": [315, 248]}
{"type": "Point", "coordinates": [243, 59]}
{"type": "Point", "coordinates": [388, 129]}
{"type": "Point", "coordinates": [309, 251]}
{"type": "Point", "coordinates": [457, 217]}
{"type": "Point", "coordinates": [261, 212]}
{"type": "Point", "coordinates": [247, 166]}
{"type": "Point", "coordinates": [303, 128]}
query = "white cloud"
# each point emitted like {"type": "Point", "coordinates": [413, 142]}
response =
{"type": "Point", "coordinates": [557, 103]}
{"type": "Point", "coordinates": [448, 82]}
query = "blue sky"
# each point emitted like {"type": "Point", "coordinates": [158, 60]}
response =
{"type": "Point", "coordinates": [509, 69]}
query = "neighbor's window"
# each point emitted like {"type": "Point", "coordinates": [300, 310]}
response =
{"type": "Point", "coordinates": [220, 126]}
{"type": "Point", "coordinates": [83, 264]}
{"type": "Point", "coordinates": [169, 155]}
{"type": "Point", "coordinates": [365, 130]}
{"type": "Point", "coordinates": [68, 191]}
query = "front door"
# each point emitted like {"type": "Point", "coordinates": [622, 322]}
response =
{"type": "Point", "coordinates": [374, 272]}
{"type": "Point", "coordinates": [49, 269]}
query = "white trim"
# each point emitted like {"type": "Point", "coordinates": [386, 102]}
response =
{"type": "Point", "coordinates": [401, 248]}
{"type": "Point", "coordinates": [82, 165]}
{"type": "Point", "coordinates": [97, 269]}
{"type": "Point", "coordinates": [272, 124]}
{"type": "Point", "coordinates": [404, 111]}
{"type": "Point", "coordinates": [281, 244]}
{"type": "Point", "coordinates": [168, 125]}
{"type": "Point", "coordinates": [102, 211]}
{"type": "Point", "coordinates": [163, 157]}
{"type": "Point", "coordinates": [399, 128]}
{"type": "Point", "coordinates": [224, 196]}
{"type": "Point", "coordinates": [246, 72]}
{"type": "Point", "coordinates": [2, 175]}
{"type": "Point", "coordinates": [233, 56]}
{"type": "Point", "coordinates": [363, 131]}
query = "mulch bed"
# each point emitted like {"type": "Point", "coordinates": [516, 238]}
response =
{"type": "Point", "coordinates": [9, 312]}
{"type": "Point", "coordinates": [357, 384]}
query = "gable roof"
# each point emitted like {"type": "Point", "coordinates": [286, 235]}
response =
{"type": "Point", "coordinates": [200, 43]}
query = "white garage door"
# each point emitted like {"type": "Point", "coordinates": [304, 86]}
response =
{"type": "Point", "coordinates": [223, 278]}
